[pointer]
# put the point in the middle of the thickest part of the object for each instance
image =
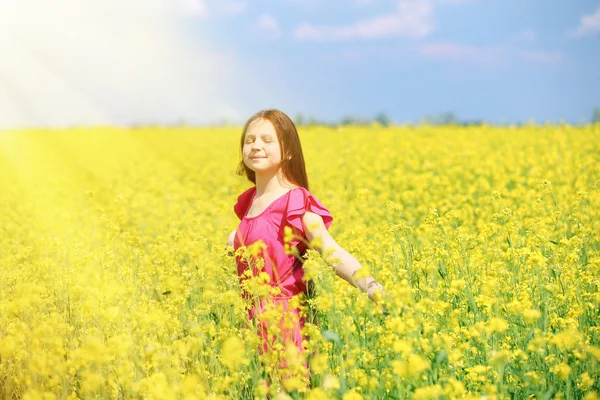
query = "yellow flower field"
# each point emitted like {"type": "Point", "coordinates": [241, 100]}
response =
{"type": "Point", "coordinates": [115, 281]}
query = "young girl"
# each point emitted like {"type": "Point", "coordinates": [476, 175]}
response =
{"type": "Point", "coordinates": [272, 160]}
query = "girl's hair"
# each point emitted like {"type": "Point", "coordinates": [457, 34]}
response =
{"type": "Point", "coordinates": [292, 159]}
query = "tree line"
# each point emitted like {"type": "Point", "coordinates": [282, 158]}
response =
{"type": "Point", "coordinates": [444, 118]}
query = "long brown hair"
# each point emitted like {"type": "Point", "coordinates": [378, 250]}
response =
{"type": "Point", "coordinates": [292, 159]}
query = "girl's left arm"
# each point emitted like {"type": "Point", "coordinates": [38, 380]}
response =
{"type": "Point", "coordinates": [344, 264]}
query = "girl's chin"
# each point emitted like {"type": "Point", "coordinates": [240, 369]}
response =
{"type": "Point", "coordinates": [263, 171]}
{"type": "Point", "coordinates": [260, 164]}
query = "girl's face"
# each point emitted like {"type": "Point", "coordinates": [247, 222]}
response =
{"type": "Point", "coordinates": [261, 151]}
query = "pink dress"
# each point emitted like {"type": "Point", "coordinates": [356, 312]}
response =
{"type": "Point", "coordinates": [284, 270]}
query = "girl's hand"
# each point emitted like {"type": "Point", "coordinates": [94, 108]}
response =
{"type": "Point", "coordinates": [370, 286]}
{"type": "Point", "coordinates": [374, 287]}
{"type": "Point", "coordinates": [383, 299]}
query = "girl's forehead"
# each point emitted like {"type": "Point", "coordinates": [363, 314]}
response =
{"type": "Point", "coordinates": [261, 127]}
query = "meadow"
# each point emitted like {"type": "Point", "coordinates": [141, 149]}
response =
{"type": "Point", "coordinates": [115, 281]}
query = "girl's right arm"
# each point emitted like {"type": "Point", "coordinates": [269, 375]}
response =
{"type": "Point", "coordinates": [345, 265]}
{"type": "Point", "coordinates": [230, 243]}
{"type": "Point", "coordinates": [231, 238]}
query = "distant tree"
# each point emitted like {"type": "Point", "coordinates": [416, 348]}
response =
{"type": "Point", "coordinates": [382, 119]}
{"type": "Point", "coordinates": [596, 115]}
{"type": "Point", "coordinates": [312, 121]}
{"type": "Point", "coordinates": [448, 118]}
{"type": "Point", "coordinates": [300, 120]}
{"type": "Point", "coordinates": [347, 120]}
{"type": "Point", "coordinates": [472, 122]}
{"type": "Point", "coordinates": [353, 120]}
{"type": "Point", "coordinates": [445, 118]}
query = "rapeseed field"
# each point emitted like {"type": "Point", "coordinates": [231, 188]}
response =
{"type": "Point", "coordinates": [115, 281]}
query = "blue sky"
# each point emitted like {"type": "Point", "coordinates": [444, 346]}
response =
{"type": "Point", "coordinates": [136, 62]}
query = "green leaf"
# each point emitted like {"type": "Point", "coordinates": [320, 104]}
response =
{"type": "Point", "coordinates": [331, 336]}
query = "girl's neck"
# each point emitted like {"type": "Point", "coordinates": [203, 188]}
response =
{"type": "Point", "coordinates": [272, 183]}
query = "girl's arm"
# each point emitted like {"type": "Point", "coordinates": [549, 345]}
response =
{"type": "Point", "coordinates": [231, 238]}
{"type": "Point", "coordinates": [230, 243]}
{"type": "Point", "coordinates": [344, 264]}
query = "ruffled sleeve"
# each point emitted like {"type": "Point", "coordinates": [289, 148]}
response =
{"type": "Point", "coordinates": [301, 201]}
{"type": "Point", "coordinates": [243, 202]}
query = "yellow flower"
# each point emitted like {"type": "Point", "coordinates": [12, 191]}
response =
{"type": "Point", "coordinates": [536, 260]}
{"type": "Point", "coordinates": [192, 387]}
{"type": "Point", "coordinates": [91, 381]}
{"type": "Point", "coordinates": [457, 286]}
{"type": "Point", "coordinates": [288, 234]}
{"type": "Point", "coordinates": [531, 315]}
{"type": "Point", "coordinates": [562, 370]}
{"type": "Point", "coordinates": [352, 395]}
{"type": "Point", "coordinates": [454, 388]}
{"type": "Point", "coordinates": [330, 382]}
{"type": "Point", "coordinates": [324, 302]}
{"type": "Point", "coordinates": [500, 358]}
{"type": "Point", "coordinates": [317, 394]}
{"type": "Point", "coordinates": [33, 394]}
{"type": "Point", "coordinates": [566, 340]}
{"type": "Point", "coordinates": [585, 381]}
{"type": "Point", "coordinates": [233, 353]}
{"type": "Point", "coordinates": [8, 345]}
{"type": "Point", "coordinates": [478, 373]}
{"type": "Point", "coordinates": [319, 363]}
{"type": "Point", "coordinates": [428, 393]}
{"type": "Point", "coordinates": [497, 325]}
{"type": "Point", "coordinates": [295, 383]}
{"type": "Point", "coordinates": [402, 346]}
{"type": "Point", "coordinates": [533, 376]}
{"type": "Point", "coordinates": [256, 248]}
{"type": "Point", "coordinates": [412, 367]}
{"type": "Point", "coordinates": [594, 351]}
{"type": "Point", "coordinates": [362, 272]}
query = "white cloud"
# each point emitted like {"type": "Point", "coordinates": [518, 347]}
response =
{"type": "Point", "coordinates": [453, 1]}
{"type": "Point", "coordinates": [268, 26]}
{"type": "Point", "coordinates": [195, 7]}
{"type": "Point", "coordinates": [200, 8]}
{"type": "Point", "coordinates": [588, 25]}
{"type": "Point", "coordinates": [490, 54]}
{"type": "Point", "coordinates": [411, 19]}
{"type": "Point", "coordinates": [231, 7]}
{"type": "Point", "coordinates": [304, 3]}
{"type": "Point", "coordinates": [108, 62]}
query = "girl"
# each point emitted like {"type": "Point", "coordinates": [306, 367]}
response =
{"type": "Point", "coordinates": [272, 160]}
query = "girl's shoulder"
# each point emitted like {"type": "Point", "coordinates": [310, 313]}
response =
{"type": "Point", "coordinates": [300, 195]}
{"type": "Point", "coordinates": [243, 202]}
{"type": "Point", "coordinates": [299, 202]}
